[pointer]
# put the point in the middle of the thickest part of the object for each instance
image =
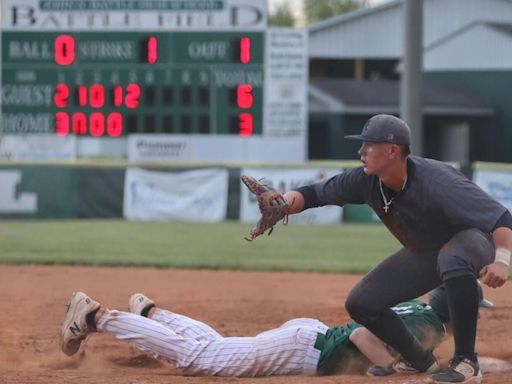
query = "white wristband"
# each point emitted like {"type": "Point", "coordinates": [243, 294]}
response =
{"type": "Point", "coordinates": [503, 256]}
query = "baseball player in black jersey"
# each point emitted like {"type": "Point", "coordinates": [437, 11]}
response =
{"type": "Point", "coordinates": [452, 232]}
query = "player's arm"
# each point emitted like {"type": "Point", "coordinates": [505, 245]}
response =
{"type": "Point", "coordinates": [372, 347]}
{"type": "Point", "coordinates": [496, 274]}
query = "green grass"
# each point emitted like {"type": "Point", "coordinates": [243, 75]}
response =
{"type": "Point", "coordinates": [339, 248]}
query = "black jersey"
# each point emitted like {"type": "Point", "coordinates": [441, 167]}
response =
{"type": "Point", "coordinates": [437, 202]}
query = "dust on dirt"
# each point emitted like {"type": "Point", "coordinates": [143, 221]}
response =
{"type": "Point", "coordinates": [235, 303]}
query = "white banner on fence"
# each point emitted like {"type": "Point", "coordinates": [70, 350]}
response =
{"type": "Point", "coordinates": [198, 195]}
{"type": "Point", "coordinates": [37, 147]}
{"type": "Point", "coordinates": [497, 184]}
{"type": "Point", "coordinates": [284, 180]}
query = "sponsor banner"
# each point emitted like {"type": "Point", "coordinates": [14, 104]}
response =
{"type": "Point", "coordinates": [198, 195]}
{"type": "Point", "coordinates": [132, 15]}
{"type": "Point", "coordinates": [37, 147]}
{"type": "Point", "coordinates": [283, 180]}
{"type": "Point", "coordinates": [498, 184]}
{"type": "Point", "coordinates": [160, 147]}
{"type": "Point", "coordinates": [286, 82]}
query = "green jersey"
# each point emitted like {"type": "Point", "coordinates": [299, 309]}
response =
{"type": "Point", "coordinates": [338, 353]}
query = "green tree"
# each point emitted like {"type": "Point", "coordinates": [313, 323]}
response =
{"type": "Point", "coordinates": [316, 10]}
{"type": "Point", "coordinates": [282, 17]}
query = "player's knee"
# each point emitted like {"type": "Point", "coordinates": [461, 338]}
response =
{"type": "Point", "coordinates": [360, 309]}
{"type": "Point", "coordinates": [453, 264]}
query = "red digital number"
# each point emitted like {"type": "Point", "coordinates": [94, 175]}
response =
{"type": "Point", "coordinates": [114, 124]}
{"type": "Point", "coordinates": [132, 96]}
{"type": "Point", "coordinates": [60, 98]}
{"type": "Point", "coordinates": [96, 96]}
{"type": "Point", "coordinates": [245, 50]}
{"type": "Point", "coordinates": [245, 124]}
{"type": "Point", "coordinates": [82, 95]}
{"type": "Point", "coordinates": [97, 124]}
{"type": "Point", "coordinates": [244, 98]}
{"type": "Point", "coordinates": [79, 123]}
{"type": "Point", "coordinates": [64, 50]}
{"type": "Point", "coordinates": [61, 124]}
{"type": "Point", "coordinates": [118, 96]}
{"type": "Point", "coordinates": [152, 49]}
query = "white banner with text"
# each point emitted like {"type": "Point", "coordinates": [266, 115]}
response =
{"type": "Point", "coordinates": [197, 196]}
{"type": "Point", "coordinates": [46, 147]}
{"type": "Point", "coordinates": [221, 148]}
{"type": "Point", "coordinates": [498, 184]}
{"type": "Point", "coordinates": [284, 180]}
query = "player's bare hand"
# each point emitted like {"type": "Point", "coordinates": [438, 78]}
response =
{"type": "Point", "coordinates": [494, 275]}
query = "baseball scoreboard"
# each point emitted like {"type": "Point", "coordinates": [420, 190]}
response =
{"type": "Point", "coordinates": [172, 79]}
{"type": "Point", "coordinates": [111, 68]}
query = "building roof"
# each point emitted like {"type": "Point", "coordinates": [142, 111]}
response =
{"type": "Point", "coordinates": [329, 95]}
{"type": "Point", "coordinates": [477, 46]}
{"type": "Point", "coordinates": [378, 32]}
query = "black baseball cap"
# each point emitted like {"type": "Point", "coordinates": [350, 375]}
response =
{"type": "Point", "coordinates": [384, 128]}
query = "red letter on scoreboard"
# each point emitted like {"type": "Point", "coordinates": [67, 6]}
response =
{"type": "Point", "coordinates": [97, 124]}
{"type": "Point", "coordinates": [152, 49]}
{"type": "Point", "coordinates": [245, 124]}
{"type": "Point", "coordinates": [60, 98]}
{"type": "Point", "coordinates": [96, 96]}
{"type": "Point", "coordinates": [114, 124]}
{"type": "Point", "coordinates": [245, 50]}
{"type": "Point", "coordinates": [132, 96]}
{"type": "Point", "coordinates": [64, 50]}
{"type": "Point", "coordinates": [244, 97]}
{"type": "Point", "coordinates": [61, 124]}
{"type": "Point", "coordinates": [79, 122]}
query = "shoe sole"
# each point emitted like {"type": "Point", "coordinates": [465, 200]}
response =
{"type": "Point", "coordinates": [475, 379]}
{"type": "Point", "coordinates": [74, 304]}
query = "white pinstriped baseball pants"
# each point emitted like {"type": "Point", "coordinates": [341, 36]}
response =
{"type": "Point", "coordinates": [198, 349]}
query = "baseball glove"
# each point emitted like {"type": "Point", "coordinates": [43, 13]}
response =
{"type": "Point", "coordinates": [272, 204]}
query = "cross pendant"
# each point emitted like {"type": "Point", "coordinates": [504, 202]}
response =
{"type": "Point", "coordinates": [386, 207]}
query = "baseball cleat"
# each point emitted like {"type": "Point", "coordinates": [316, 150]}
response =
{"type": "Point", "coordinates": [74, 329]}
{"type": "Point", "coordinates": [402, 366]}
{"type": "Point", "coordinates": [140, 304]}
{"type": "Point", "coordinates": [377, 370]}
{"type": "Point", "coordinates": [460, 370]}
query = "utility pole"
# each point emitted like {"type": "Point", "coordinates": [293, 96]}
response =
{"type": "Point", "coordinates": [412, 73]}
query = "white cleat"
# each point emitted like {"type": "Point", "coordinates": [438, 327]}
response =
{"type": "Point", "coordinates": [74, 329]}
{"type": "Point", "coordinates": [140, 304]}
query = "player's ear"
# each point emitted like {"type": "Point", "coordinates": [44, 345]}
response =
{"type": "Point", "coordinates": [394, 151]}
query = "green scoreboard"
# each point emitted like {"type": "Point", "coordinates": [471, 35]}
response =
{"type": "Point", "coordinates": [109, 68]}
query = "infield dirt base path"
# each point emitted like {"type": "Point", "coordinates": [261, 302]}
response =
{"type": "Point", "coordinates": [234, 302]}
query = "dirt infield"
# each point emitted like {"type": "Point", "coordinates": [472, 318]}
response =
{"type": "Point", "coordinates": [235, 303]}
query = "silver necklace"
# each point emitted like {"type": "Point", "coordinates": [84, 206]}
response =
{"type": "Point", "coordinates": [387, 202]}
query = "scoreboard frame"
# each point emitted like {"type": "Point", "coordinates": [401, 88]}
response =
{"type": "Point", "coordinates": [112, 73]}
{"type": "Point", "coordinates": [151, 80]}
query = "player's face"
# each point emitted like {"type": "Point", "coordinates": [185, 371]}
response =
{"type": "Point", "coordinates": [375, 157]}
